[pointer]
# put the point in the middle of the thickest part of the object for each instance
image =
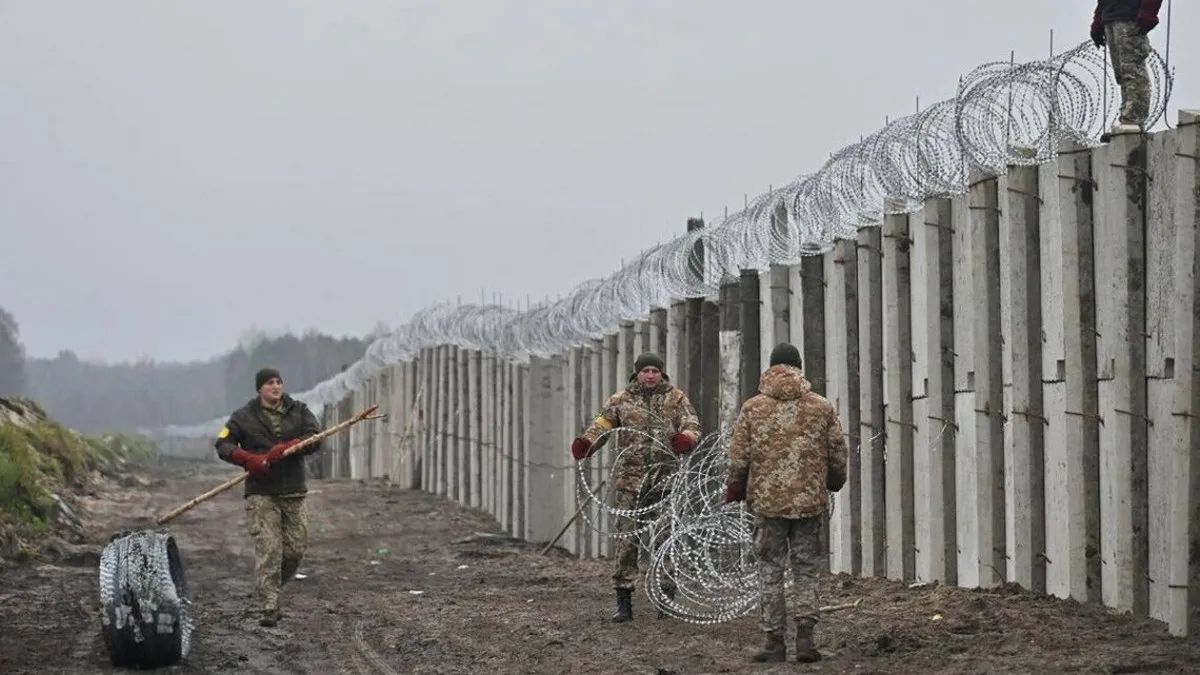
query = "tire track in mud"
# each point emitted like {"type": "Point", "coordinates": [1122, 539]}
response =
{"type": "Point", "coordinates": [366, 652]}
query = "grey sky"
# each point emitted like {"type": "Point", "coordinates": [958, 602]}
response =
{"type": "Point", "coordinates": [173, 173]}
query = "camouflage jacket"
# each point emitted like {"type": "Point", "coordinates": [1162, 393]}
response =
{"type": "Point", "coordinates": [644, 421]}
{"type": "Point", "coordinates": [788, 448]}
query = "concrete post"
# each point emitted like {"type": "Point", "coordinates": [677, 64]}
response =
{"type": "Point", "coordinates": [659, 342]}
{"type": "Point", "coordinates": [935, 256]}
{"type": "Point", "coordinates": [396, 460]}
{"type": "Point", "coordinates": [626, 352]}
{"type": "Point", "coordinates": [873, 423]}
{"type": "Point", "coordinates": [1173, 373]}
{"type": "Point", "coordinates": [730, 345]}
{"type": "Point", "coordinates": [598, 394]}
{"type": "Point", "coordinates": [440, 400]}
{"type": "Point", "coordinates": [676, 335]}
{"type": "Point", "coordinates": [694, 342]}
{"type": "Point", "coordinates": [965, 309]}
{"type": "Point", "coordinates": [812, 338]}
{"type": "Point", "coordinates": [576, 419]}
{"type": "Point", "coordinates": [766, 318]}
{"type": "Point", "coordinates": [1120, 230]}
{"type": "Point", "coordinates": [988, 416]}
{"type": "Point", "coordinates": [1073, 470]}
{"type": "Point", "coordinates": [641, 337]}
{"type": "Point", "coordinates": [1024, 442]}
{"type": "Point", "coordinates": [573, 392]}
{"type": "Point", "coordinates": [843, 390]}
{"type": "Point", "coordinates": [708, 402]}
{"type": "Point", "coordinates": [699, 340]}
{"type": "Point", "coordinates": [475, 426]}
{"type": "Point", "coordinates": [729, 395]}
{"type": "Point", "coordinates": [780, 293]}
{"type": "Point", "coordinates": [1183, 606]}
{"type": "Point", "coordinates": [545, 505]}
{"type": "Point", "coordinates": [429, 454]}
{"type": "Point", "coordinates": [751, 363]}
{"type": "Point", "coordinates": [462, 446]}
{"type": "Point", "coordinates": [900, 424]}
{"type": "Point", "coordinates": [807, 286]}
{"type": "Point", "coordinates": [487, 438]}
{"type": "Point", "coordinates": [523, 396]}
{"type": "Point", "coordinates": [504, 441]}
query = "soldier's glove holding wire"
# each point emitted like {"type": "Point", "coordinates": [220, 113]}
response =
{"type": "Point", "coordinates": [581, 447]}
{"type": "Point", "coordinates": [256, 465]}
{"type": "Point", "coordinates": [682, 444]}
{"type": "Point", "coordinates": [734, 493]}
{"type": "Point", "coordinates": [275, 454]}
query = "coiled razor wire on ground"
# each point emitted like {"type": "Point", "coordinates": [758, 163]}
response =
{"type": "Point", "coordinates": [145, 618]}
{"type": "Point", "coordinates": [700, 562]}
{"type": "Point", "coordinates": [1002, 114]}
{"type": "Point", "coordinates": [699, 552]}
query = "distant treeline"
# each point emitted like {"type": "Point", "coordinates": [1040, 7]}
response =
{"type": "Point", "coordinates": [97, 397]}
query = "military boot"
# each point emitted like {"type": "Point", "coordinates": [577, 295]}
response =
{"type": "Point", "coordinates": [806, 651]}
{"type": "Point", "coordinates": [269, 618]}
{"type": "Point", "coordinates": [624, 606]}
{"type": "Point", "coordinates": [774, 651]}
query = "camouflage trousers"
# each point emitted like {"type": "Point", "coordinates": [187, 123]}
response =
{"type": "Point", "coordinates": [626, 573]}
{"type": "Point", "coordinates": [778, 543]}
{"type": "Point", "coordinates": [1128, 49]}
{"type": "Point", "coordinates": [279, 527]}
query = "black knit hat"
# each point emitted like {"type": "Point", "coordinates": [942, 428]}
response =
{"type": "Point", "coordinates": [261, 377]}
{"type": "Point", "coordinates": [646, 360]}
{"type": "Point", "coordinates": [787, 355]}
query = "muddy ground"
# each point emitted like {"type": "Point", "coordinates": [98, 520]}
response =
{"type": "Point", "coordinates": [500, 607]}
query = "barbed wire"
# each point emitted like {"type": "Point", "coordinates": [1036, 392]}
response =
{"type": "Point", "coordinates": [701, 566]}
{"type": "Point", "coordinates": [1003, 114]}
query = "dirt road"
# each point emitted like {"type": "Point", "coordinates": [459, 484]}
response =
{"type": "Point", "coordinates": [391, 588]}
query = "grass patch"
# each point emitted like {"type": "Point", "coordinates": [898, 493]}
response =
{"type": "Point", "coordinates": [40, 458]}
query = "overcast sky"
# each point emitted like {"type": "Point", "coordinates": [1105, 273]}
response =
{"type": "Point", "coordinates": [175, 173]}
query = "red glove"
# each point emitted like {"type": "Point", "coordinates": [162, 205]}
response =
{"type": "Point", "coordinates": [256, 465]}
{"type": "Point", "coordinates": [734, 493]}
{"type": "Point", "coordinates": [276, 452]}
{"type": "Point", "coordinates": [580, 448]}
{"type": "Point", "coordinates": [682, 444]}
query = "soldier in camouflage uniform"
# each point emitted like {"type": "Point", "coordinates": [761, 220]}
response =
{"type": "Point", "coordinates": [1123, 25]}
{"type": "Point", "coordinates": [255, 438]}
{"type": "Point", "coordinates": [646, 418]}
{"type": "Point", "coordinates": [788, 449]}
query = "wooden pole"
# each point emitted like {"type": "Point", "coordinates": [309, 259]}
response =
{"type": "Point", "coordinates": [317, 438]}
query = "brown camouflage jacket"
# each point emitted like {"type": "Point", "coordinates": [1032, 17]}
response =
{"type": "Point", "coordinates": [788, 447]}
{"type": "Point", "coordinates": [642, 422]}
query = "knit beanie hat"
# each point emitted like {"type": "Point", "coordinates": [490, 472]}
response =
{"type": "Point", "coordinates": [645, 360]}
{"type": "Point", "coordinates": [261, 377]}
{"type": "Point", "coordinates": [787, 355]}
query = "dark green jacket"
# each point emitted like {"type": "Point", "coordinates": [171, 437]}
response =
{"type": "Point", "coordinates": [250, 428]}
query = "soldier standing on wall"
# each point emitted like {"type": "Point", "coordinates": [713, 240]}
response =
{"type": "Point", "coordinates": [1123, 26]}
{"type": "Point", "coordinates": [788, 448]}
{"type": "Point", "coordinates": [647, 415]}
{"type": "Point", "coordinates": [255, 438]}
